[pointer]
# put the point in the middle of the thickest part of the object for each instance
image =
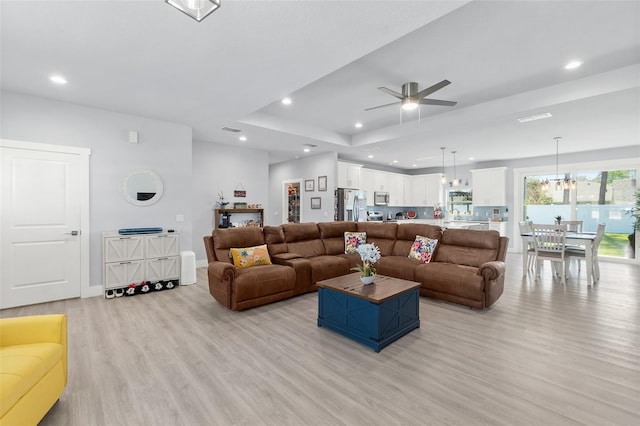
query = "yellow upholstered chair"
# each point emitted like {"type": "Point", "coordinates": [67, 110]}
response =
{"type": "Point", "coordinates": [33, 367]}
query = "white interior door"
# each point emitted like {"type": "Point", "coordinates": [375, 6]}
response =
{"type": "Point", "coordinates": [40, 215]}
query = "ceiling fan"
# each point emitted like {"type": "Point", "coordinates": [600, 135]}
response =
{"type": "Point", "coordinates": [410, 98]}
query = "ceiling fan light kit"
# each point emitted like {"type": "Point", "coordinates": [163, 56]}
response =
{"type": "Point", "coordinates": [196, 9]}
{"type": "Point", "coordinates": [411, 98]}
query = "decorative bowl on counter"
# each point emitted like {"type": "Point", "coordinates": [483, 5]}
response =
{"type": "Point", "coordinates": [411, 215]}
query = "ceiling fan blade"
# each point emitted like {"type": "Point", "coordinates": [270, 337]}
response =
{"type": "Point", "coordinates": [391, 92]}
{"type": "Point", "coordinates": [382, 106]}
{"type": "Point", "coordinates": [430, 90]}
{"type": "Point", "coordinates": [437, 102]}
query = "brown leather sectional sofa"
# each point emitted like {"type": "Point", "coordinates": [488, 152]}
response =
{"type": "Point", "coordinates": [468, 267]}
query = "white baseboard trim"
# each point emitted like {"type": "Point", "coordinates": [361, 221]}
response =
{"type": "Point", "coordinates": [92, 291]}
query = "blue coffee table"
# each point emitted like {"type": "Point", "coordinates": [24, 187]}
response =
{"type": "Point", "coordinates": [375, 315]}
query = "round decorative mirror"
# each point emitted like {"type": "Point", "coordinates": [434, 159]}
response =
{"type": "Point", "coordinates": [142, 187]}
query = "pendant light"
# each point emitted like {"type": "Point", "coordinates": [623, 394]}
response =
{"type": "Point", "coordinates": [443, 178]}
{"type": "Point", "coordinates": [455, 181]}
{"type": "Point", "coordinates": [558, 183]}
{"type": "Point", "coordinates": [196, 9]}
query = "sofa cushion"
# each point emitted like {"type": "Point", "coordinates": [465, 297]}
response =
{"type": "Point", "coordinates": [381, 234]}
{"type": "Point", "coordinates": [352, 240]}
{"type": "Point", "coordinates": [325, 267]}
{"type": "Point", "coordinates": [401, 267]}
{"type": "Point", "coordinates": [274, 237]}
{"type": "Point", "coordinates": [303, 239]}
{"type": "Point", "coordinates": [423, 249]}
{"type": "Point", "coordinates": [250, 256]}
{"type": "Point", "coordinates": [262, 280]}
{"type": "Point", "coordinates": [22, 367]}
{"type": "Point", "coordinates": [225, 239]}
{"type": "Point", "coordinates": [332, 234]}
{"type": "Point", "coordinates": [468, 247]}
{"type": "Point", "coordinates": [458, 280]}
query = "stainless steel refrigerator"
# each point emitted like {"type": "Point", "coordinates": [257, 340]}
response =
{"type": "Point", "coordinates": [350, 205]}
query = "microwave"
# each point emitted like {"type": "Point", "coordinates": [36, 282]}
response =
{"type": "Point", "coordinates": [381, 198]}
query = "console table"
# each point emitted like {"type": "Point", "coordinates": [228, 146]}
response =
{"type": "Point", "coordinates": [219, 212]}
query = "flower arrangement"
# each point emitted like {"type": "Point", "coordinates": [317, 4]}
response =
{"type": "Point", "coordinates": [369, 254]}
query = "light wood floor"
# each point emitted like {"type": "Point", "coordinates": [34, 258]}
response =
{"type": "Point", "coordinates": [545, 354]}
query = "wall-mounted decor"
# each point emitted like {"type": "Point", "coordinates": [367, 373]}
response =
{"type": "Point", "coordinates": [239, 205]}
{"type": "Point", "coordinates": [309, 185]}
{"type": "Point", "coordinates": [322, 183]}
{"type": "Point", "coordinates": [316, 202]}
{"type": "Point", "coordinates": [240, 192]}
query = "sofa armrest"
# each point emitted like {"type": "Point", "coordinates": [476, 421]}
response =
{"type": "Point", "coordinates": [222, 270]}
{"type": "Point", "coordinates": [277, 258]}
{"type": "Point", "coordinates": [36, 329]}
{"type": "Point", "coordinates": [491, 270]}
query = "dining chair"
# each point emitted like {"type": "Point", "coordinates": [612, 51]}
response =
{"type": "Point", "coordinates": [572, 225]}
{"type": "Point", "coordinates": [550, 243]}
{"type": "Point", "coordinates": [579, 252]}
{"type": "Point", "coordinates": [528, 249]}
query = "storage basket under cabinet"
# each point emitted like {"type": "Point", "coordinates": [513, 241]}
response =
{"type": "Point", "coordinates": [136, 258]}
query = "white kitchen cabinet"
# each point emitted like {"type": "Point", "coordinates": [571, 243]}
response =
{"type": "Point", "coordinates": [367, 183]}
{"type": "Point", "coordinates": [434, 190]}
{"type": "Point", "coordinates": [396, 182]}
{"type": "Point", "coordinates": [489, 186]}
{"type": "Point", "coordinates": [423, 190]}
{"type": "Point", "coordinates": [501, 227]}
{"type": "Point", "coordinates": [348, 175]}
{"type": "Point", "coordinates": [381, 181]}
{"type": "Point", "coordinates": [416, 190]}
{"type": "Point", "coordinates": [132, 259]}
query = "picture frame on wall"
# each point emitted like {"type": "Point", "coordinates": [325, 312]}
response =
{"type": "Point", "coordinates": [322, 183]}
{"type": "Point", "coordinates": [316, 202]}
{"type": "Point", "coordinates": [309, 185]}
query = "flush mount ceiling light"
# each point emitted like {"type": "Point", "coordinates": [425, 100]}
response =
{"type": "Point", "coordinates": [535, 117]}
{"type": "Point", "coordinates": [58, 79]}
{"type": "Point", "coordinates": [572, 65]}
{"type": "Point", "coordinates": [286, 101]}
{"type": "Point", "coordinates": [197, 9]}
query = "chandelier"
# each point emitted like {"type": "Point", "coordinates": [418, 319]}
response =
{"type": "Point", "coordinates": [560, 184]}
{"type": "Point", "coordinates": [443, 178]}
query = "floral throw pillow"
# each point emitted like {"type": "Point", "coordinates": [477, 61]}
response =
{"type": "Point", "coordinates": [352, 240]}
{"type": "Point", "coordinates": [423, 249]}
{"type": "Point", "coordinates": [250, 256]}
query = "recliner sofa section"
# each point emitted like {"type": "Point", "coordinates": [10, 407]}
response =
{"type": "Point", "coordinates": [467, 267]}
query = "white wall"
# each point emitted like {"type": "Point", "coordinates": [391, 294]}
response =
{"type": "Point", "coordinates": [164, 147]}
{"type": "Point", "coordinates": [224, 168]}
{"type": "Point", "coordinates": [304, 168]}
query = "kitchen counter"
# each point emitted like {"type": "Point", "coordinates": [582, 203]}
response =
{"type": "Point", "coordinates": [501, 227]}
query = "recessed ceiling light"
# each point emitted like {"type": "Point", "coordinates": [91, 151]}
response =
{"type": "Point", "coordinates": [307, 149]}
{"type": "Point", "coordinates": [395, 161]}
{"type": "Point", "coordinates": [535, 117]}
{"type": "Point", "coordinates": [414, 165]}
{"type": "Point", "coordinates": [370, 156]}
{"type": "Point", "coordinates": [286, 101]}
{"type": "Point", "coordinates": [243, 138]}
{"type": "Point", "coordinates": [358, 125]}
{"type": "Point", "coordinates": [472, 158]}
{"type": "Point", "coordinates": [572, 65]}
{"type": "Point", "coordinates": [58, 79]}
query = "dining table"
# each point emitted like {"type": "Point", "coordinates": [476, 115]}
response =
{"type": "Point", "coordinates": [582, 239]}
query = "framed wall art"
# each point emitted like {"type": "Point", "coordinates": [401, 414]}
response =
{"type": "Point", "coordinates": [309, 185]}
{"type": "Point", "coordinates": [322, 183]}
{"type": "Point", "coordinates": [316, 202]}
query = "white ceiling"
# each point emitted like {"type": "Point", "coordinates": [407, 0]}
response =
{"type": "Point", "coordinates": [505, 60]}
